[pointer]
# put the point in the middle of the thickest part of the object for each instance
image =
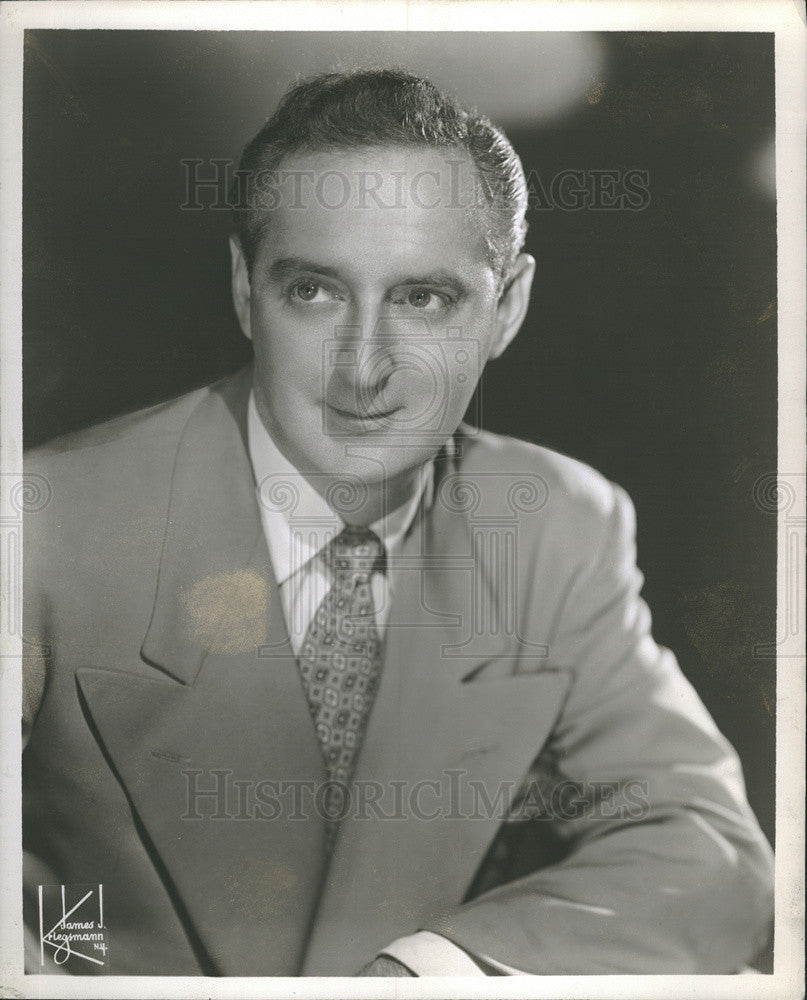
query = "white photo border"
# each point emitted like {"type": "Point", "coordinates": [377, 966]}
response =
{"type": "Point", "coordinates": [785, 18]}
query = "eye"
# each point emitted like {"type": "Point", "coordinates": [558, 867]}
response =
{"type": "Point", "coordinates": [420, 298]}
{"type": "Point", "coordinates": [309, 291]}
{"type": "Point", "coordinates": [306, 291]}
{"type": "Point", "coordinates": [424, 299]}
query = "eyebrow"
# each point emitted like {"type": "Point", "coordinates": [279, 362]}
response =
{"type": "Point", "coordinates": [293, 265]}
{"type": "Point", "coordinates": [288, 266]}
{"type": "Point", "coordinates": [439, 278]}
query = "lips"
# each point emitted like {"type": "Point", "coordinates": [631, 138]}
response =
{"type": "Point", "coordinates": [363, 416]}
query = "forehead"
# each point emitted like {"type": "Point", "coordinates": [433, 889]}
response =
{"type": "Point", "coordinates": [378, 209]}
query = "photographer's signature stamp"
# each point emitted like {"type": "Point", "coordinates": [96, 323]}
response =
{"type": "Point", "coordinates": [72, 933]}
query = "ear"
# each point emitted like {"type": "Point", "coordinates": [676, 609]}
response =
{"type": "Point", "coordinates": [513, 303]}
{"type": "Point", "coordinates": [240, 282]}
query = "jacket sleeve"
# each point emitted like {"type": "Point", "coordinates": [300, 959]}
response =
{"type": "Point", "coordinates": [671, 873]}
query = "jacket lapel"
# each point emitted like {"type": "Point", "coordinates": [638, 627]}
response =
{"type": "Point", "coordinates": [230, 709]}
{"type": "Point", "coordinates": [454, 725]}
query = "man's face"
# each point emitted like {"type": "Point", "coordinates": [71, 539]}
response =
{"type": "Point", "coordinates": [372, 309]}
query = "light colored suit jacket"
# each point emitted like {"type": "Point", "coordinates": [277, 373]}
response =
{"type": "Point", "coordinates": [157, 650]}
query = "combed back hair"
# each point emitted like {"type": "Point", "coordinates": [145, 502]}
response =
{"type": "Point", "coordinates": [387, 107]}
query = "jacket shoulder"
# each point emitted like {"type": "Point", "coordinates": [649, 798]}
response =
{"type": "Point", "coordinates": [162, 422]}
{"type": "Point", "coordinates": [559, 485]}
{"type": "Point", "coordinates": [112, 474]}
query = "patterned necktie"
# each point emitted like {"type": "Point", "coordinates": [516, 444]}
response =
{"type": "Point", "coordinates": [340, 659]}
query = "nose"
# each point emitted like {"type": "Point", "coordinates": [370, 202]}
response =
{"type": "Point", "coordinates": [363, 360]}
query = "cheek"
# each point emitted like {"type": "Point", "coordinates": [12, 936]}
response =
{"type": "Point", "coordinates": [463, 381]}
{"type": "Point", "coordinates": [467, 352]}
{"type": "Point", "coordinates": [286, 352]}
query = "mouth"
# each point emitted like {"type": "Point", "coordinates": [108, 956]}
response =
{"type": "Point", "coordinates": [364, 417]}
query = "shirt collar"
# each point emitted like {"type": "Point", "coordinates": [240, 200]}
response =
{"type": "Point", "coordinates": [296, 519]}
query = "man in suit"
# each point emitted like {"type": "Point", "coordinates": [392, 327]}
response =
{"type": "Point", "coordinates": [329, 682]}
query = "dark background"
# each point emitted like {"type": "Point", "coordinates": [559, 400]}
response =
{"type": "Point", "coordinates": [649, 350]}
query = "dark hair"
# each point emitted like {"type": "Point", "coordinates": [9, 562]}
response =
{"type": "Point", "coordinates": [383, 108]}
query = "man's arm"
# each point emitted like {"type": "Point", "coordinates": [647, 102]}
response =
{"type": "Point", "coordinates": [672, 874]}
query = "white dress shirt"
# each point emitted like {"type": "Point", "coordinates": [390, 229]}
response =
{"type": "Point", "coordinates": [298, 523]}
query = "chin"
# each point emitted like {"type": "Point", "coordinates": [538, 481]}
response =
{"type": "Point", "coordinates": [375, 461]}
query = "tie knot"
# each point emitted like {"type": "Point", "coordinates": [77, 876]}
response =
{"type": "Point", "coordinates": [355, 550]}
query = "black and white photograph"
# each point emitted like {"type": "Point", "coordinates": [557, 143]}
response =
{"type": "Point", "coordinates": [403, 500]}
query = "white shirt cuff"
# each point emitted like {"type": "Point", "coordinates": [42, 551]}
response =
{"type": "Point", "coordinates": [428, 954]}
